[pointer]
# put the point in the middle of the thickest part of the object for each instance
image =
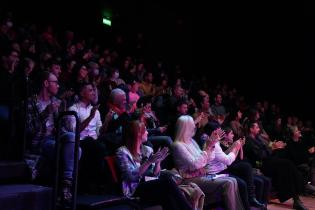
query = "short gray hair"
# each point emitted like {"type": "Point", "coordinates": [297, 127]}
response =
{"type": "Point", "coordinates": [114, 93]}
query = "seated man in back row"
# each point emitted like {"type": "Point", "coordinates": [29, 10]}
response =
{"type": "Point", "coordinates": [41, 129]}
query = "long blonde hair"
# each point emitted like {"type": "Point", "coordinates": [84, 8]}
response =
{"type": "Point", "coordinates": [185, 129]}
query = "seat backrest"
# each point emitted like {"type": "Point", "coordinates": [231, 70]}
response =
{"type": "Point", "coordinates": [115, 181]}
{"type": "Point", "coordinates": [111, 162]}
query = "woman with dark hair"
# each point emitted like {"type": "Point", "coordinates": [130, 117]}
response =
{"type": "Point", "coordinates": [140, 170]}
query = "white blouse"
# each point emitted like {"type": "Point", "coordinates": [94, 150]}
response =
{"type": "Point", "coordinates": [92, 129]}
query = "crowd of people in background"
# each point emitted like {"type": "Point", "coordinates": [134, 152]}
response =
{"type": "Point", "coordinates": [154, 118]}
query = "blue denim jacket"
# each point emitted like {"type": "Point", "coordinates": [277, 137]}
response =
{"type": "Point", "coordinates": [129, 168]}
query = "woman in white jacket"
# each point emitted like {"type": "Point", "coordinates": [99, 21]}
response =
{"type": "Point", "coordinates": [191, 162]}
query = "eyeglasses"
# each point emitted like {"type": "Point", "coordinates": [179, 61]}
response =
{"type": "Point", "coordinates": [56, 82]}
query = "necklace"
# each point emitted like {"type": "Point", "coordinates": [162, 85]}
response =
{"type": "Point", "coordinates": [226, 144]}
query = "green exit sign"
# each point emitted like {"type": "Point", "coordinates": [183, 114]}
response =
{"type": "Point", "coordinates": [107, 22]}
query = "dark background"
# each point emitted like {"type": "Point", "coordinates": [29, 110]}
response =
{"type": "Point", "coordinates": [262, 48]}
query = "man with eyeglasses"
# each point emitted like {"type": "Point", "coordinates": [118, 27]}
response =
{"type": "Point", "coordinates": [64, 93]}
{"type": "Point", "coordinates": [41, 128]}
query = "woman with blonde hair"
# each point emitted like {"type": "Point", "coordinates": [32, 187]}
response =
{"type": "Point", "coordinates": [191, 162]}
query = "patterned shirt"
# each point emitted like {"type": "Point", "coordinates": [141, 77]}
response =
{"type": "Point", "coordinates": [129, 168]}
{"type": "Point", "coordinates": [40, 123]}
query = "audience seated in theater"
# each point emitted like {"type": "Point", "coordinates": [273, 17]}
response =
{"type": "Point", "coordinates": [191, 163]}
{"type": "Point", "coordinates": [82, 59]}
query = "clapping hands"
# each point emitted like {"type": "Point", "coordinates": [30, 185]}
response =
{"type": "Point", "coordinates": [160, 155]}
{"type": "Point", "coordinates": [242, 141]}
{"type": "Point", "coordinates": [217, 135]}
{"type": "Point", "coordinates": [278, 145]}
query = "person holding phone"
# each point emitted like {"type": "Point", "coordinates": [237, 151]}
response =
{"type": "Point", "coordinates": [93, 150]}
